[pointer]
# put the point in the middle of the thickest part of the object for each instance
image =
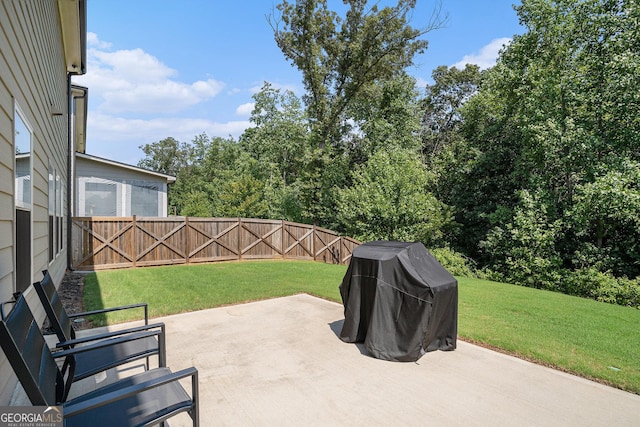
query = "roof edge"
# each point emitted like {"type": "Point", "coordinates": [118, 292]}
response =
{"type": "Point", "coordinates": [170, 179]}
{"type": "Point", "coordinates": [73, 21]}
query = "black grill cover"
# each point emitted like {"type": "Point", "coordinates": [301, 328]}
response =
{"type": "Point", "coordinates": [399, 301]}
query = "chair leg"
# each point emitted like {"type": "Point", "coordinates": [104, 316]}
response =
{"type": "Point", "coordinates": [162, 344]}
{"type": "Point", "coordinates": [195, 398]}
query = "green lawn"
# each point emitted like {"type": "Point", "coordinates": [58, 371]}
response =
{"type": "Point", "coordinates": [592, 339]}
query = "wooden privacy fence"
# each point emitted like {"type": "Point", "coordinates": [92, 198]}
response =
{"type": "Point", "coordinates": [118, 242]}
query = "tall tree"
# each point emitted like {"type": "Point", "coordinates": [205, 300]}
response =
{"type": "Point", "coordinates": [166, 156]}
{"type": "Point", "coordinates": [558, 113]}
{"type": "Point", "coordinates": [442, 105]}
{"type": "Point", "coordinates": [279, 144]}
{"type": "Point", "coordinates": [340, 55]}
{"type": "Point", "coordinates": [387, 117]}
{"type": "Point", "coordinates": [280, 136]}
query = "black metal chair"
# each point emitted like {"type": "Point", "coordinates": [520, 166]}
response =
{"type": "Point", "coordinates": [62, 322]}
{"type": "Point", "coordinates": [143, 399]}
{"type": "Point", "coordinates": [133, 345]}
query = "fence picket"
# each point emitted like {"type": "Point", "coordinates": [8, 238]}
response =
{"type": "Point", "coordinates": [140, 241]}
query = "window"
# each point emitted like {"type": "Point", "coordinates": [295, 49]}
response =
{"type": "Point", "coordinates": [23, 163]}
{"type": "Point", "coordinates": [144, 198]}
{"type": "Point", "coordinates": [100, 199]}
{"type": "Point", "coordinates": [22, 199]}
{"type": "Point", "coordinates": [52, 213]}
{"type": "Point", "coordinates": [59, 211]}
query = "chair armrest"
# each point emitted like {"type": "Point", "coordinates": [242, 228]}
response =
{"type": "Point", "coordinates": [111, 397]}
{"type": "Point", "coordinates": [111, 334]}
{"type": "Point", "coordinates": [107, 343]}
{"type": "Point", "coordinates": [110, 309]}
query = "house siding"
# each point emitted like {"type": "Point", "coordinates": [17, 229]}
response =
{"type": "Point", "coordinates": [33, 76]}
{"type": "Point", "coordinates": [87, 169]}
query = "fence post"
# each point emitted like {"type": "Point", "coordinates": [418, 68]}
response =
{"type": "Point", "coordinates": [282, 245]}
{"type": "Point", "coordinates": [187, 240]}
{"type": "Point", "coordinates": [239, 239]}
{"type": "Point", "coordinates": [313, 241]}
{"type": "Point", "coordinates": [134, 240]}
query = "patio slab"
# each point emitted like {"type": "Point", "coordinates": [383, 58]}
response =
{"type": "Point", "coordinates": [281, 362]}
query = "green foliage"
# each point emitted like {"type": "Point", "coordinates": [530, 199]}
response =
{"type": "Point", "coordinates": [279, 140]}
{"type": "Point", "coordinates": [530, 168]}
{"type": "Point", "coordinates": [243, 197]}
{"type": "Point", "coordinates": [546, 155]}
{"type": "Point", "coordinates": [387, 117]}
{"type": "Point", "coordinates": [606, 219]}
{"type": "Point", "coordinates": [197, 203]}
{"type": "Point", "coordinates": [456, 263]}
{"type": "Point", "coordinates": [339, 56]}
{"type": "Point", "coordinates": [523, 249]}
{"type": "Point", "coordinates": [388, 200]}
{"type": "Point", "coordinates": [167, 156]}
{"type": "Point", "coordinates": [591, 283]}
{"type": "Point", "coordinates": [442, 107]}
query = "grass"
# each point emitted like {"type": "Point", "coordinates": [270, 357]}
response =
{"type": "Point", "coordinates": [178, 289]}
{"type": "Point", "coordinates": [592, 339]}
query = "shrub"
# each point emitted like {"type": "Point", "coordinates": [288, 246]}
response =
{"type": "Point", "coordinates": [456, 263]}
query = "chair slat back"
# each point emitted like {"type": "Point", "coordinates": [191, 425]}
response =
{"type": "Point", "coordinates": [56, 312]}
{"type": "Point", "coordinates": [27, 352]}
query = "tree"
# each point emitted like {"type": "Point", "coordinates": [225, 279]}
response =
{"type": "Point", "coordinates": [387, 117]}
{"type": "Point", "coordinates": [442, 105]}
{"type": "Point", "coordinates": [389, 200]}
{"type": "Point", "coordinates": [523, 249]}
{"type": "Point", "coordinates": [279, 144]}
{"type": "Point", "coordinates": [559, 109]}
{"type": "Point", "coordinates": [606, 220]}
{"type": "Point", "coordinates": [340, 55]}
{"type": "Point", "coordinates": [167, 156]}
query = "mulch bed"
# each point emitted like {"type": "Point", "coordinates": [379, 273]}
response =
{"type": "Point", "coordinates": [71, 292]}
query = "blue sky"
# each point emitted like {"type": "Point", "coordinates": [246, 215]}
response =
{"type": "Point", "coordinates": [160, 68]}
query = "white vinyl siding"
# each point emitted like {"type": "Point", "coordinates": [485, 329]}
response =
{"type": "Point", "coordinates": [106, 188]}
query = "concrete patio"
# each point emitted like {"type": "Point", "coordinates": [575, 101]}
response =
{"type": "Point", "coordinates": [281, 362]}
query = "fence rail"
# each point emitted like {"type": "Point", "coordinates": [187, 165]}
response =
{"type": "Point", "coordinates": [119, 242]}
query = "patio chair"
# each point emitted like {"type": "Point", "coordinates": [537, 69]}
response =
{"type": "Point", "coordinates": [87, 360]}
{"type": "Point", "coordinates": [62, 322]}
{"type": "Point", "coordinates": [147, 398]}
{"type": "Point", "coordinates": [62, 325]}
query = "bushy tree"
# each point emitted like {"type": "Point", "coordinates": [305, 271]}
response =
{"type": "Point", "coordinates": [606, 220]}
{"type": "Point", "coordinates": [389, 200]}
{"type": "Point", "coordinates": [339, 56]}
{"type": "Point", "coordinates": [168, 156]}
{"type": "Point", "coordinates": [523, 249]}
{"type": "Point", "coordinates": [442, 107]}
{"type": "Point", "coordinates": [279, 142]}
{"type": "Point", "coordinates": [556, 114]}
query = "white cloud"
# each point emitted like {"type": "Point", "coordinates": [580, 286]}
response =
{"type": "Point", "coordinates": [108, 128]}
{"type": "Point", "coordinates": [245, 109]}
{"type": "Point", "coordinates": [136, 99]}
{"type": "Point", "coordinates": [135, 81]}
{"type": "Point", "coordinates": [487, 55]}
{"type": "Point", "coordinates": [92, 40]}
